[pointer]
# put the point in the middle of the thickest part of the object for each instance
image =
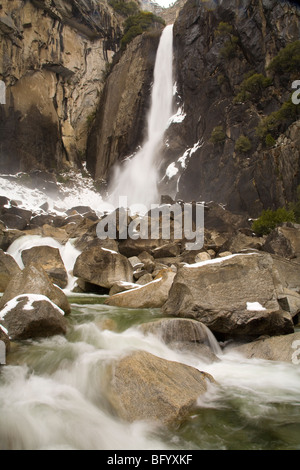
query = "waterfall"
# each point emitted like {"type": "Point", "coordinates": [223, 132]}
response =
{"type": "Point", "coordinates": [137, 178]}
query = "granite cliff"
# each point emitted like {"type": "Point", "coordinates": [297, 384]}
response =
{"type": "Point", "coordinates": [52, 57]}
{"type": "Point", "coordinates": [216, 147]}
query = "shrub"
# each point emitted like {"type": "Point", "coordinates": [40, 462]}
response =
{"type": "Point", "coordinates": [278, 120]}
{"type": "Point", "coordinates": [270, 141]}
{"type": "Point", "coordinates": [137, 24]}
{"type": "Point", "coordinates": [243, 144]}
{"type": "Point", "coordinates": [287, 60]}
{"type": "Point", "coordinates": [270, 219]}
{"type": "Point", "coordinates": [295, 206]}
{"type": "Point", "coordinates": [252, 87]}
{"type": "Point", "coordinates": [223, 29]}
{"type": "Point", "coordinates": [229, 49]}
{"type": "Point", "coordinates": [124, 8]}
{"type": "Point", "coordinates": [218, 135]}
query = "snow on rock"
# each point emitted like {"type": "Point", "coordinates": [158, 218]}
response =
{"type": "Point", "coordinates": [178, 117]}
{"type": "Point", "coordinates": [31, 298]}
{"type": "Point", "coordinates": [188, 153]}
{"type": "Point", "coordinates": [171, 170]}
{"type": "Point", "coordinates": [255, 307]}
{"type": "Point", "coordinates": [216, 260]}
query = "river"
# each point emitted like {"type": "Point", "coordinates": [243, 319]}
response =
{"type": "Point", "coordinates": [50, 392]}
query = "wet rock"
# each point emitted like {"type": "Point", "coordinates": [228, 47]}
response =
{"type": "Point", "coordinates": [145, 387]}
{"type": "Point", "coordinates": [79, 209]}
{"type": "Point", "coordinates": [8, 269]}
{"type": "Point", "coordinates": [147, 260]}
{"type": "Point", "coordinates": [152, 295]}
{"type": "Point", "coordinates": [288, 272]}
{"type": "Point", "coordinates": [59, 234]}
{"type": "Point", "coordinates": [50, 260]}
{"type": "Point", "coordinates": [14, 221]}
{"type": "Point", "coordinates": [167, 250]}
{"type": "Point", "coordinates": [284, 348]}
{"type": "Point", "coordinates": [242, 242]}
{"type": "Point", "coordinates": [34, 280]}
{"type": "Point", "coordinates": [102, 266]}
{"type": "Point", "coordinates": [32, 316]}
{"type": "Point", "coordinates": [40, 220]}
{"type": "Point", "coordinates": [235, 295]}
{"type": "Point", "coordinates": [122, 287]}
{"type": "Point", "coordinates": [278, 243]}
{"type": "Point", "coordinates": [3, 201]}
{"type": "Point", "coordinates": [185, 334]}
{"type": "Point", "coordinates": [144, 279]}
{"type": "Point", "coordinates": [131, 247]}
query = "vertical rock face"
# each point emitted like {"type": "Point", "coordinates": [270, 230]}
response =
{"type": "Point", "coordinates": [52, 55]}
{"type": "Point", "coordinates": [217, 45]}
{"type": "Point", "coordinates": [120, 120]}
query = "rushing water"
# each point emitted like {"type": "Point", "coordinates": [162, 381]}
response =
{"type": "Point", "coordinates": [138, 177]}
{"type": "Point", "coordinates": [50, 392]}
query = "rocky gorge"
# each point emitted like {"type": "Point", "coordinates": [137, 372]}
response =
{"type": "Point", "coordinates": [136, 334]}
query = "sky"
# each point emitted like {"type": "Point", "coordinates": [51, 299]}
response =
{"type": "Point", "coordinates": [164, 3]}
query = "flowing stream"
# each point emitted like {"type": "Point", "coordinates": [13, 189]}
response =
{"type": "Point", "coordinates": [50, 392]}
{"type": "Point", "coordinates": [137, 178]}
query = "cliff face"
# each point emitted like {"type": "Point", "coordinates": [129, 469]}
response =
{"type": "Point", "coordinates": [121, 116]}
{"type": "Point", "coordinates": [217, 45]}
{"type": "Point", "coordinates": [52, 55]}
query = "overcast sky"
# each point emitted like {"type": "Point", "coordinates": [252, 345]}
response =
{"type": "Point", "coordinates": [164, 3]}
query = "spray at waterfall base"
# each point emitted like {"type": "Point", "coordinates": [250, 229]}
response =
{"type": "Point", "coordinates": [179, 221]}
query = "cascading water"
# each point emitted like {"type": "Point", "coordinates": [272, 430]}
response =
{"type": "Point", "coordinates": [137, 178]}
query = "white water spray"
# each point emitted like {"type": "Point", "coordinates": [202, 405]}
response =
{"type": "Point", "coordinates": [137, 179]}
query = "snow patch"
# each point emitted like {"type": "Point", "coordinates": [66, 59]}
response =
{"type": "Point", "coordinates": [188, 153]}
{"type": "Point", "coordinates": [178, 117]}
{"type": "Point", "coordinates": [68, 252]}
{"type": "Point", "coordinates": [4, 329]}
{"type": "Point", "coordinates": [78, 190]}
{"type": "Point", "coordinates": [171, 170]}
{"type": "Point", "coordinates": [31, 298]}
{"type": "Point", "coordinates": [255, 307]}
{"type": "Point", "coordinates": [216, 260]}
{"type": "Point", "coordinates": [111, 251]}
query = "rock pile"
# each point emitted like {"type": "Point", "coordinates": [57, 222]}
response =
{"type": "Point", "coordinates": [238, 286]}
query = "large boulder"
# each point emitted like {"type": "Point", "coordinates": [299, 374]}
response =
{"type": "Point", "coordinates": [50, 260]}
{"type": "Point", "coordinates": [284, 348]}
{"type": "Point", "coordinates": [102, 266]}
{"type": "Point", "coordinates": [185, 334]}
{"type": "Point", "coordinates": [34, 280]}
{"type": "Point", "coordinates": [234, 295]}
{"type": "Point", "coordinates": [277, 243]}
{"type": "Point", "coordinates": [142, 386]}
{"type": "Point", "coordinates": [284, 241]}
{"type": "Point", "coordinates": [32, 316]}
{"type": "Point", "coordinates": [151, 295]}
{"type": "Point", "coordinates": [8, 269]}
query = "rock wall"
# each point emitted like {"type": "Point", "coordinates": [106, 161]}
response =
{"type": "Point", "coordinates": [207, 82]}
{"type": "Point", "coordinates": [52, 55]}
{"type": "Point", "coordinates": [121, 116]}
